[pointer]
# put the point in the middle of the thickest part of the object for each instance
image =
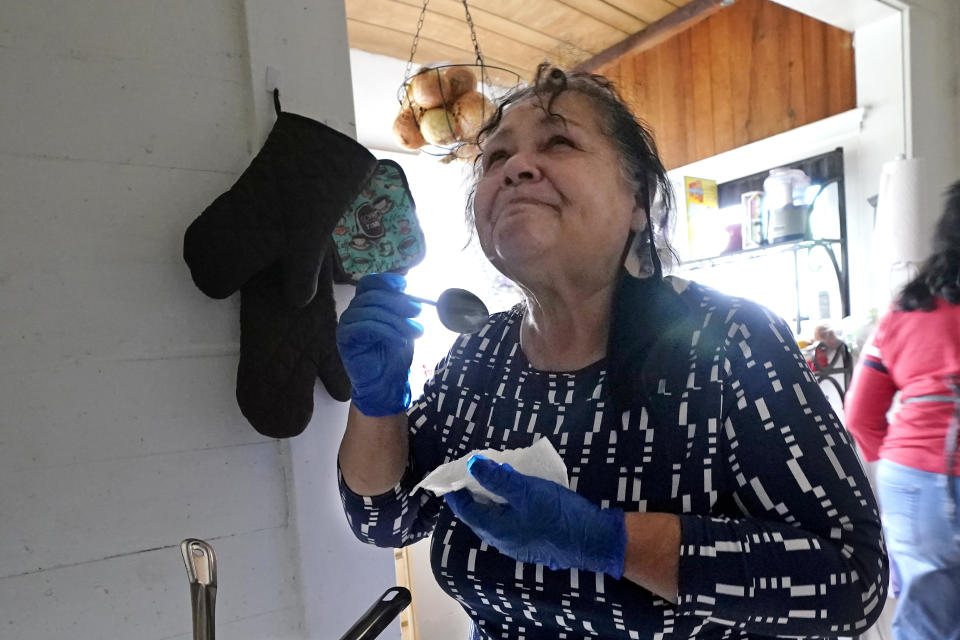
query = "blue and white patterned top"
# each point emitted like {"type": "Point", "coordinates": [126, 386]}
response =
{"type": "Point", "coordinates": [780, 530]}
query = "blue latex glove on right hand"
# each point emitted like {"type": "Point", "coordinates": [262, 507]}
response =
{"type": "Point", "coordinates": [375, 339]}
{"type": "Point", "coordinates": [542, 522]}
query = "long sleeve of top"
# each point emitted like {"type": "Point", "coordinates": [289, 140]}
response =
{"type": "Point", "coordinates": [913, 352]}
{"type": "Point", "coordinates": [868, 400]}
{"type": "Point", "coordinates": [780, 532]}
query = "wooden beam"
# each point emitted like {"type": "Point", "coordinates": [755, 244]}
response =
{"type": "Point", "coordinates": [660, 31]}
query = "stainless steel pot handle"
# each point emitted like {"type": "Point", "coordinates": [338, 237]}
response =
{"type": "Point", "coordinates": [201, 563]}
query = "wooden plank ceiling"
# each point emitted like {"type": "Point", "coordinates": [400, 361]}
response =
{"type": "Point", "coordinates": [513, 34]}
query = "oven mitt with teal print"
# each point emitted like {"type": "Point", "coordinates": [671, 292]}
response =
{"type": "Point", "coordinates": [283, 349]}
{"type": "Point", "coordinates": [281, 210]}
{"type": "Point", "coordinates": [379, 232]}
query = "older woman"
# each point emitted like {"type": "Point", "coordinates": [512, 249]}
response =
{"type": "Point", "coordinates": [713, 492]}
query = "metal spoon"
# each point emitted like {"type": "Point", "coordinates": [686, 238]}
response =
{"type": "Point", "coordinates": [458, 310]}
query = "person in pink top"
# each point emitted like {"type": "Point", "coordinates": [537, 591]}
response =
{"type": "Point", "coordinates": [915, 351]}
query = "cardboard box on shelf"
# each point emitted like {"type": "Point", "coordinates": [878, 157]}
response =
{"type": "Point", "coordinates": [702, 207]}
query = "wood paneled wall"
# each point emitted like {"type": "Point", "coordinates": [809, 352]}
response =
{"type": "Point", "coordinates": [745, 73]}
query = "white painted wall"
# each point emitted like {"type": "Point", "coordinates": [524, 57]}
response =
{"type": "Point", "coordinates": [880, 89]}
{"type": "Point", "coordinates": [933, 64]}
{"type": "Point", "coordinates": [119, 430]}
{"type": "Point", "coordinates": [848, 14]}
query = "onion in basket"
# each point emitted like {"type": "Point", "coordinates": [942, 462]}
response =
{"type": "Point", "coordinates": [435, 125]}
{"type": "Point", "coordinates": [469, 112]}
{"type": "Point", "coordinates": [460, 80]}
{"type": "Point", "coordinates": [429, 88]}
{"type": "Point", "coordinates": [406, 132]}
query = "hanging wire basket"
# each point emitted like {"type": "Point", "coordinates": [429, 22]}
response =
{"type": "Point", "coordinates": [443, 105]}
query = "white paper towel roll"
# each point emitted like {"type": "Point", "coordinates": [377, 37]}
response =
{"type": "Point", "coordinates": [901, 232]}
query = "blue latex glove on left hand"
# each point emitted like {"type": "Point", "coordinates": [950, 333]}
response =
{"type": "Point", "coordinates": [542, 522]}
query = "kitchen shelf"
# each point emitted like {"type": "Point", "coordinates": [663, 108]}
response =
{"type": "Point", "coordinates": [827, 244]}
{"type": "Point", "coordinates": [761, 251]}
{"type": "Point", "coordinates": [831, 368]}
{"type": "Point", "coordinates": [825, 168]}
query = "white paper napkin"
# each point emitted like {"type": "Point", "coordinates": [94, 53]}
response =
{"type": "Point", "coordinates": [539, 459]}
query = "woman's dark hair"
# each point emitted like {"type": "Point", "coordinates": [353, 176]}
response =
{"type": "Point", "coordinates": [639, 160]}
{"type": "Point", "coordinates": [940, 274]}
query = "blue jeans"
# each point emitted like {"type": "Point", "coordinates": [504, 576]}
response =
{"type": "Point", "coordinates": [923, 539]}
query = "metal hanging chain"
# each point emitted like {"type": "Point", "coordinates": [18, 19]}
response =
{"type": "Point", "coordinates": [473, 38]}
{"type": "Point", "coordinates": [416, 39]}
{"type": "Point", "coordinates": [476, 46]}
{"type": "Point", "coordinates": [473, 33]}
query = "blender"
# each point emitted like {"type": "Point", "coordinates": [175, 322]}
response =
{"type": "Point", "coordinates": [784, 199]}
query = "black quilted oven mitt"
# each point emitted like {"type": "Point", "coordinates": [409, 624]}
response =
{"type": "Point", "coordinates": [283, 349]}
{"type": "Point", "coordinates": [283, 208]}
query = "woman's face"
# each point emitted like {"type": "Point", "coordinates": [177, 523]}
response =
{"type": "Point", "coordinates": [551, 198]}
